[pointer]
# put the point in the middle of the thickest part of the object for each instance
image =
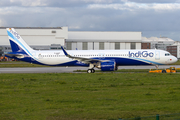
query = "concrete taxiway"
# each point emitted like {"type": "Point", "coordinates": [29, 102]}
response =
{"type": "Point", "coordinates": [69, 69]}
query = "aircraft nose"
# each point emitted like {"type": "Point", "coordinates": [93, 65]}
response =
{"type": "Point", "coordinates": [174, 59]}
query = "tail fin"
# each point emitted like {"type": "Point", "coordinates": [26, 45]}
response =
{"type": "Point", "coordinates": [17, 43]}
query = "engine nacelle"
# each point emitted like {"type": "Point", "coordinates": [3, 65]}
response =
{"type": "Point", "coordinates": [108, 66]}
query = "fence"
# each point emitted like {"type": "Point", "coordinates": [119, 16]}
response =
{"type": "Point", "coordinates": [175, 116]}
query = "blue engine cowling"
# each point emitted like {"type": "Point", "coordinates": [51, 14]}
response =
{"type": "Point", "coordinates": [108, 66]}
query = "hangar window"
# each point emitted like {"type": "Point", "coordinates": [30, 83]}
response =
{"type": "Point", "coordinates": [69, 45]}
{"type": "Point", "coordinates": [117, 45]}
{"type": "Point", "coordinates": [85, 46]}
{"type": "Point", "coordinates": [101, 45]}
{"type": "Point", "coordinates": [53, 31]}
{"type": "Point", "coordinates": [133, 45]}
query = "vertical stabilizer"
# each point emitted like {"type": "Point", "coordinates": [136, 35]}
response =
{"type": "Point", "coordinates": [17, 43]}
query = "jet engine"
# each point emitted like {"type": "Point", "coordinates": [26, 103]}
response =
{"type": "Point", "coordinates": [107, 66]}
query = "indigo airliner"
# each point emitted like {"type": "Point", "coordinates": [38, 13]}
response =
{"type": "Point", "coordinates": [106, 60]}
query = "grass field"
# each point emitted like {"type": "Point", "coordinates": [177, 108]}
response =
{"type": "Point", "coordinates": [12, 64]}
{"type": "Point", "coordinates": [64, 96]}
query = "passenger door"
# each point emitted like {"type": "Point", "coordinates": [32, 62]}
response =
{"type": "Point", "coordinates": [157, 55]}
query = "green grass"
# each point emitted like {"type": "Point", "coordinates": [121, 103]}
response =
{"type": "Point", "coordinates": [87, 96]}
{"type": "Point", "coordinates": [12, 64]}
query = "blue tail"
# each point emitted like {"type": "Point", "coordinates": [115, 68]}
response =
{"type": "Point", "coordinates": [18, 45]}
{"type": "Point", "coordinates": [15, 47]}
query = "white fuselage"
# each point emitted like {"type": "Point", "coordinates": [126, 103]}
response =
{"type": "Point", "coordinates": [122, 57]}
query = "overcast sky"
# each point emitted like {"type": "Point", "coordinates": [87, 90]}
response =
{"type": "Point", "coordinates": [151, 17]}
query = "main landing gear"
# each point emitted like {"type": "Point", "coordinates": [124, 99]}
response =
{"type": "Point", "coordinates": [90, 70]}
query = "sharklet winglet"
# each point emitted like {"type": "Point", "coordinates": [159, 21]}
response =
{"type": "Point", "coordinates": [64, 51]}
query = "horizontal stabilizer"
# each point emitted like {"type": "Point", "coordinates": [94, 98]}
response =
{"type": "Point", "coordinates": [13, 54]}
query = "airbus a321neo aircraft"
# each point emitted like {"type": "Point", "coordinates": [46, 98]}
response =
{"type": "Point", "coordinates": [106, 60]}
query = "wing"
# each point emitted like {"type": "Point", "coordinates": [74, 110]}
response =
{"type": "Point", "coordinates": [84, 60]}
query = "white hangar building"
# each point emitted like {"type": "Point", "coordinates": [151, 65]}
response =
{"type": "Point", "coordinates": [103, 40]}
{"type": "Point", "coordinates": [42, 38]}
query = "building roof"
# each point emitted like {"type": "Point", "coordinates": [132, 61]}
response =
{"type": "Point", "coordinates": [103, 36]}
{"type": "Point", "coordinates": [156, 39]}
{"type": "Point", "coordinates": [32, 27]}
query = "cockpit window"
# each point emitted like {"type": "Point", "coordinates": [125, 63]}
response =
{"type": "Point", "coordinates": [167, 54]}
